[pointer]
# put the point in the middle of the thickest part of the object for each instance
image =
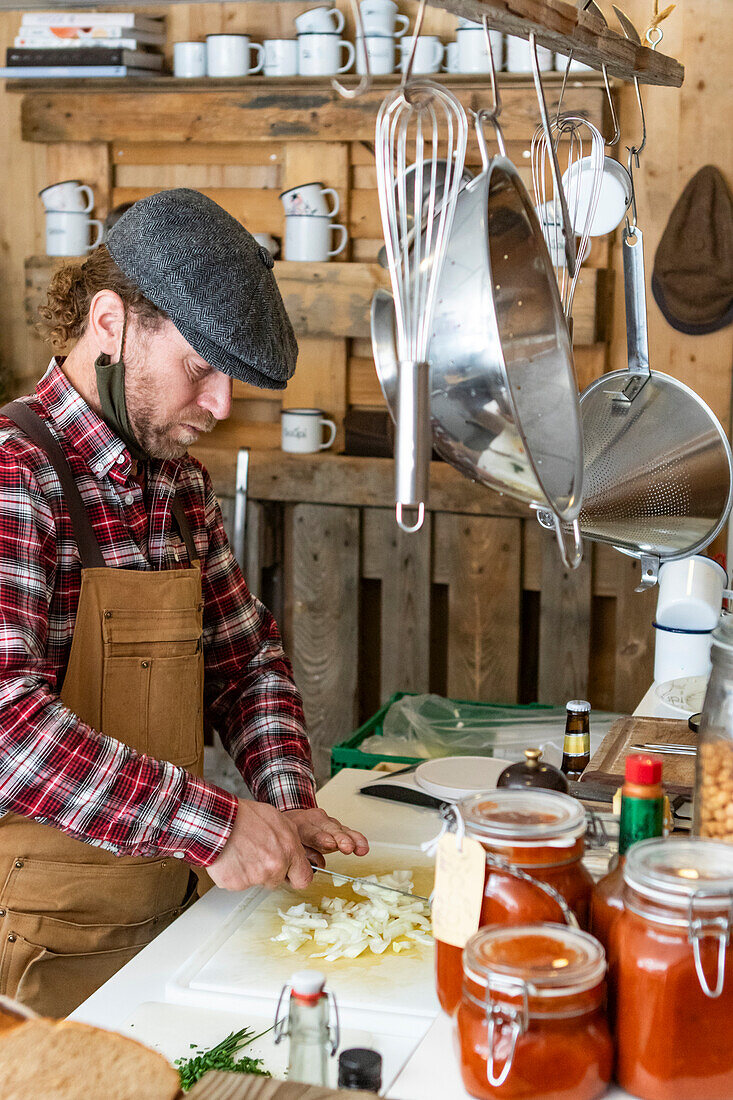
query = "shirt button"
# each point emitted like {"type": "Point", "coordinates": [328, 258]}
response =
{"type": "Point", "coordinates": [129, 498]}
{"type": "Point", "coordinates": [120, 459]}
{"type": "Point", "coordinates": [179, 855]}
{"type": "Point", "coordinates": [98, 467]}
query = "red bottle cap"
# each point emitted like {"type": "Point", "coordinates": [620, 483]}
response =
{"type": "Point", "coordinates": [643, 769]}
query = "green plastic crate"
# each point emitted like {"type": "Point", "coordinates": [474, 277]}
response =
{"type": "Point", "coordinates": [349, 755]}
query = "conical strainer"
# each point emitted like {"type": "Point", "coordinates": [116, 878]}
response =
{"type": "Point", "coordinates": [656, 461]}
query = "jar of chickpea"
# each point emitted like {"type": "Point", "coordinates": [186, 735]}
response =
{"type": "Point", "coordinates": [713, 815]}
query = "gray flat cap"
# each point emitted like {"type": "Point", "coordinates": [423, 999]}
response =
{"type": "Point", "coordinates": [212, 278]}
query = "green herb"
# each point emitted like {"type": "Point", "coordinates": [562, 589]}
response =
{"type": "Point", "coordinates": [222, 1057]}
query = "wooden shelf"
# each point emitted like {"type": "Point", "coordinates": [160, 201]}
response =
{"type": "Point", "coordinates": [164, 109]}
{"type": "Point", "coordinates": [561, 27]}
{"type": "Point", "coordinates": [329, 299]}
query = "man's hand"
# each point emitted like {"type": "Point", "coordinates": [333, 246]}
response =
{"type": "Point", "coordinates": [320, 834]}
{"type": "Point", "coordinates": [263, 849]}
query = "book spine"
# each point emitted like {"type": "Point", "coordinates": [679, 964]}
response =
{"type": "Point", "coordinates": [97, 18]}
{"type": "Point", "coordinates": [78, 36]}
{"type": "Point", "coordinates": [70, 72]}
{"type": "Point", "coordinates": [59, 45]}
{"type": "Point", "coordinates": [52, 58]}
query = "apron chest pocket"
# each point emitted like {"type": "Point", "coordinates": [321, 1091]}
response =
{"type": "Point", "coordinates": [152, 682]}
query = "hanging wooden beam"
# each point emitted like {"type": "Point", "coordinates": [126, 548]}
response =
{"type": "Point", "coordinates": [561, 27]}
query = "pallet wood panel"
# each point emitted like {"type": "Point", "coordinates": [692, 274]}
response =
{"type": "Point", "coordinates": [565, 611]}
{"type": "Point", "coordinates": [322, 621]}
{"type": "Point", "coordinates": [241, 154]}
{"type": "Point", "coordinates": [478, 558]}
{"type": "Point", "coordinates": [291, 111]}
{"type": "Point", "coordinates": [402, 563]}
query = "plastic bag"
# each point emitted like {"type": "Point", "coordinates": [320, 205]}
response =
{"type": "Point", "coordinates": [430, 725]}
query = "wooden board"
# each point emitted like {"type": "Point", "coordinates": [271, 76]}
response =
{"type": "Point", "coordinates": [264, 111]}
{"type": "Point", "coordinates": [678, 771]}
{"type": "Point", "coordinates": [565, 608]}
{"type": "Point", "coordinates": [217, 1085]}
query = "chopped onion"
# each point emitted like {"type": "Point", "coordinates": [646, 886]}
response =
{"type": "Point", "coordinates": [342, 929]}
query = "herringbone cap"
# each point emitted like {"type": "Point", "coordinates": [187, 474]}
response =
{"type": "Point", "coordinates": [201, 267]}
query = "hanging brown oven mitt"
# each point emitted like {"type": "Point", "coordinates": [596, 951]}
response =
{"type": "Point", "coordinates": [692, 280]}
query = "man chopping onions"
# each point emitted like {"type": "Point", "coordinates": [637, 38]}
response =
{"type": "Point", "coordinates": [126, 622]}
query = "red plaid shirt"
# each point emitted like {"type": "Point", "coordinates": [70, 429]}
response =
{"type": "Point", "coordinates": [55, 768]}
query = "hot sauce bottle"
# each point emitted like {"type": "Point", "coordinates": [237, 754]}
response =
{"type": "Point", "coordinates": [642, 817]}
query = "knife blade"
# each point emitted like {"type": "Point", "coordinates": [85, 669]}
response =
{"type": "Point", "coordinates": [366, 882]}
{"type": "Point", "coordinates": [394, 793]}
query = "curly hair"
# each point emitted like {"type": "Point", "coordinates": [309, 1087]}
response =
{"type": "Point", "coordinates": [65, 315]}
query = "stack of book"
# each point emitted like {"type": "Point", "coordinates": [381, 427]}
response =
{"type": "Point", "coordinates": [66, 44]}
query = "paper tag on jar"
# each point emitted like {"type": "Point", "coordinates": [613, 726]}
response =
{"type": "Point", "coordinates": [459, 889]}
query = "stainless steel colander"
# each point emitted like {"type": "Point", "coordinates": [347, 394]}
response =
{"type": "Point", "coordinates": [656, 460]}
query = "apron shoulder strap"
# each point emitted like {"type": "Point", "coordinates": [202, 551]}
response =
{"type": "Point", "coordinates": [184, 527]}
{"type": "Point", "coordinates": [34, 427]}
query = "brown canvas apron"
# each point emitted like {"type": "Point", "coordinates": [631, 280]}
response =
{"type": "Point", "coordinates": [71, 914]}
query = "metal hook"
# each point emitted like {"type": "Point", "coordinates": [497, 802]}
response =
{"type": "Point", "coordinates": [590, 5]}
{"type": "Point", "coordinates": [567, 230]}
{"type": "Point", "coordinates": [407, 74]}
{"type": "Point", "coordinates": [496, 109]}
{"type": "Point", "coordinates": [366, 79]}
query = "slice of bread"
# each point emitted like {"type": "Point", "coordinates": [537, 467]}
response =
{"type": "Point", "coordinates": [65, 1060]}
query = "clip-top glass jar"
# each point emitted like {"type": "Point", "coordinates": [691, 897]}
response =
{"type": "Point", "coordinates": [713, 809]}
{"type": "Point", "coordinates": [531, 1021]}
{"type": "Point", "coordinates": [538, 833]}
{"type": "Point", "coordinates": [674, 971]}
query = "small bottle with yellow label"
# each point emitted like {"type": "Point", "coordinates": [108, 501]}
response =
{"type": "Point", "coordinates": [576, 747]}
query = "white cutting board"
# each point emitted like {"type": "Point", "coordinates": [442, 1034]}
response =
{"type": "Point", "coordinates": [240, 969]}
{"type": "Point", "coordinates": [395, 823]}
{"type": "Point", "coordinates": [172, 1029]}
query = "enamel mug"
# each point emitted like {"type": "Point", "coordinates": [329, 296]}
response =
{"type": "Point", "coordinates": [321, 54]}
{"type": "Point", "coordinates": [67, 233]}
{"type": "Point", "coordinates": [231, 55]}
{"type": "Point", "coordinates": [381, 54]}
{"type": "Point", "coordinates": [381, 19]}
{"type": "Point", "coordinates": [69, 195]}
{"type": "Point", "coordinates": [281, 57]}
{"type": "Point", "coordinates": [320, 21]}
{"type": "Point", "coordinates": [189, 59]}
{"type": "Point", "coordinates": [473, 54]}
{"type": "Point", "coordinates": [309, 238]}
{"type": "Point", "coordinates": [302, 431]}
{"type": "Point", "coordinates": [428, 54]}
{"type": "Point", "coordinates": [519, 56]}
{"type": "Point", "coordinates": [310, 198]}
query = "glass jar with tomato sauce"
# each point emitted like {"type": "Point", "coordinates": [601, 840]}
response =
{"type": "Point", "coordinates": [531, 1021]}
{"type": "Point", "coordinates": [674, 971]}
{"type": "Point", "coordinates": [538, 833]}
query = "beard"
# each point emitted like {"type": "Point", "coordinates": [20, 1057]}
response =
{"type": "Point", "coordinates": [157, 437]}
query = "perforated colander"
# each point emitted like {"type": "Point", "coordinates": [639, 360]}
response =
{"type": "Point", "coordinates": [656, 461]}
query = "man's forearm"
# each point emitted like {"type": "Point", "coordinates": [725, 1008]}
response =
{"type": "Point", "coordinates": [59, 771]}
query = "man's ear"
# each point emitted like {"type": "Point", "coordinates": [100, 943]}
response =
{"type": "Point", "coordinates": [106, 323]}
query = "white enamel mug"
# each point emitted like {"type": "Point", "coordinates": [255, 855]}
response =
{"type": "Point", "coordinates": [67, 233]}
{"type": "Point", "coordinates": [189, 59]}
{"type": "Point", "coordinates": [381, 54]}
{"type": "Point", "coordinates": [69, 195]}
{"type": "Point", "coordinates": [320, 54]}
{"type": "Point", "coordinates": [309, 238]}
{"type": "Point", "coordinates": [281, 57]}
{"type": "Point", "coordinates": [320, 21]}
{"type": "Point", "coordinates": [381, 19]}
{"type": "Point", "coordinates": [681, 652]}
{"type": "Point", "coordinates": [450, 64]}
{"type": "Point", "coordinates": [519, 56]}
{"type": "Point", "coordinates": [613, 199]}
{"type": "Point", "coordinates": [302, 431]}
{"type": "Point", "coordinates": [561, 64]}
{"type": "Point", "coordinates": [231, 55]}
{"type": "Point", "coordinates": [690, 593]}
{"type": "Point", "coordinates": [310, 199]}
{"type": "Point", "coordinates": [473, 55]}
{"type": "Point", "coordinates": [428, 54]}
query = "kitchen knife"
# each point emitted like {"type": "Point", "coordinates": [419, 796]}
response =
{"type": "Point", "coordinates": [367, 882]}
{"type": "Point", "coordinates": [394, 793]}
{"type": "Point", "coordinates": [670, 749]}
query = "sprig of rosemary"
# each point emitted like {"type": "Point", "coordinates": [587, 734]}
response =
{"type": "Point", "coordinates": [222, 1056]}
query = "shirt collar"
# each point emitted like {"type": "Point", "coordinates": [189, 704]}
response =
{"type": "Point", "coordinates": [82, 428]}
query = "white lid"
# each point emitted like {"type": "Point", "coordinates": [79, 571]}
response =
{"type": "Point", "coordinates": [455, 777]}
{"type": "Point", "coordinates": [514, 814]}
{"type": "Point", "coordinates": [578, 706]}
{"type": "Point", "coordinates": [308, 982]}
